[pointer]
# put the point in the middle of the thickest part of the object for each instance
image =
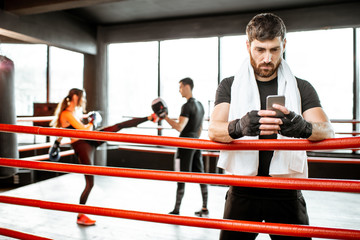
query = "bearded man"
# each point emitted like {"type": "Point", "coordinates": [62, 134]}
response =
{"type": "Point", "coordinates": [240, 112]}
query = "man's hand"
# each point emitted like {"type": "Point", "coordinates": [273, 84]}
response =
{"type": "Point", "coordinates": [293, 125]}
{"type": "Point", "coordinates": [269, 124]}
{"type": "Point", "coordinates": [248, 125]}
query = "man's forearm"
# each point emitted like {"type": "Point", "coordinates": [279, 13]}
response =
{"type": "Point", "coordinates": [218, 131]}
{"type": "Point", "coordinates": [175, 125]}
{"type": "Point", "coordinates": [321, 131]}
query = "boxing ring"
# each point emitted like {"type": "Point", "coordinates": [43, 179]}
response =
{"type": "Point", "coordinates": [350, 186]}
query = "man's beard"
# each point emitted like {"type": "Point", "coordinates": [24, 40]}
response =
{"type": "Point", "coordinates": [265, 73]}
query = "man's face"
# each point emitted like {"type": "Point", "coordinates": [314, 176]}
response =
{"type": "Point", "coordinates": [265, 57]}
{"type": "Point", "coordinates": [183, 89]}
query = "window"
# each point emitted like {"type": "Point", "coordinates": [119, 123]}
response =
{"type": "Point", "coordinates": [133, 83]}
{"type": "Point", "coordinates": [30, 80]}
{"type": "Point", "coordinates": [66, 72]}
{"type": "Point", "coordinates": [133, 77]}
{"type": "Point", "coordinates": [194, 58]}
{"type": "Point", "coordinates": [233, 52]}
{"type": "Point", "coordinates": [325, 59]}
{"type": "Point", "coordinates": [30, 74]}
{"type": "Point", "coordinates": [30, 60]}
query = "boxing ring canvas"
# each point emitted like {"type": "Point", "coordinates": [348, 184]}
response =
{"type": "Point", "coordinates": [330, 209]}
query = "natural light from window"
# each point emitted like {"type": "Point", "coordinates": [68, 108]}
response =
{"type": "Point", "coordinates": [133, 83]}
{"type": "Point", "coordinates": [194, 58]}
{"type": "Point", "coordinates": [325, 59]}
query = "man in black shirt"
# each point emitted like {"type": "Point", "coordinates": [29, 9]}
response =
{"type": "Point", "coordinates": [190, 160]}
{"type": "Point", "coordinates": [240, 112]}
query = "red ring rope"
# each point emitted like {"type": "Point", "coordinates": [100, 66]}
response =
{"type": "Point", "coordinates": [235, 180]}
{"type": "Point", "coordinates": [334, 160]}
{"type": "Point", "coordinates": [166, 151]}
{"type": "Point", "coordinates": [20, 235]}
{"type": "Point", "coordinates": [268, 144]}
{"type": "Point", "coordinates": [247, 226]}
{"type": "Point", "coordinates": [217, 154]}
{"type": "Point", "coordinates": [231, 225]}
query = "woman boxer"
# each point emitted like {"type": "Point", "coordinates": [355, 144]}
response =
{"type": "Point", "coordinates": [68, 114]}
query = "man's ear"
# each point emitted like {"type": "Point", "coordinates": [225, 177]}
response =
{"type": "Point", "coordinates": [189, 88]}
{"type": "Point", "coordinates": [248, 45]}
{"type": "Point", "coordinates": [284, 45]}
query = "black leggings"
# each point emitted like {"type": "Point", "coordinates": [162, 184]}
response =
{"type": "Point", "coordinates": [85, 150]}
{"type": "Point", "coordinates": [117, 127]}
{"type": "Point", "coordinates": [180, 194]}
{"type": "Point", "coordinates": [190, 161]}
{"type": "Point", "coordinates": [85, 154]}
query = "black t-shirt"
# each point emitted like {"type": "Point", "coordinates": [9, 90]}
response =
{"type": "Point", "coordinates": [193, 110]}
{"type": "Point", "coordinates": [309, 99]}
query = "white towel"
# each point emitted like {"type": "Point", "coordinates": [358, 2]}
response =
{"type": "Point", "coordinates": [245, 97]}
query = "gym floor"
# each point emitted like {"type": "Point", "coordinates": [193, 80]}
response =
{"type": "Point", "coordinates": [326, 209]}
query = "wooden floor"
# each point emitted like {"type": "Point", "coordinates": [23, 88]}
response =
{"type": "Point", "coordinates": [326, 209]}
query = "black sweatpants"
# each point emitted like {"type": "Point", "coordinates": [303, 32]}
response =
{"type": "Point", "coordinates": [260, 204]}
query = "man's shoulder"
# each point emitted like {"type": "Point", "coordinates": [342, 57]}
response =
{"type": "Point", "coordinates": [301, 82]}
{"type": "Point", "coordinates": [309, 96]}
{"type": "Point", "coordinates": [193, 101]}
{"type": "Point", "coordinates": [304, 85]}
{"type": "Point", "coordinates": [189, 103]}
{"type": "Point", "coordinates": [228, 81]}
{"type": "Point", "coordinates": [223, 92]}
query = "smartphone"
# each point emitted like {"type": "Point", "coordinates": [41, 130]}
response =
{"type": "Point", "coordinates": [278, 99]}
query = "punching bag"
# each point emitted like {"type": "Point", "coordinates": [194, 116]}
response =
{"type": "Point", "coordinates": [8, 141]}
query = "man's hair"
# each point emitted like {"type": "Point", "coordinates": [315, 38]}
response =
{"type": "Point", "coordinates": [265, 26]}
{"type": "Point", "coordinates": [187, 81]}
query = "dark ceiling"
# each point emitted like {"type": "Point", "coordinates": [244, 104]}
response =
{"type": "Point", "coordinates": [37, 21]}
{"type": "Point", "coordinates": [110, 12]}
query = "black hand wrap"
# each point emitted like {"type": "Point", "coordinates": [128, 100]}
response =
{"type": "Point", "coordinates": [54, 152]}
{"type": "Point", "coordinates": [295, 126]}
{"type": "Point", "coordinates": [248, 125]}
